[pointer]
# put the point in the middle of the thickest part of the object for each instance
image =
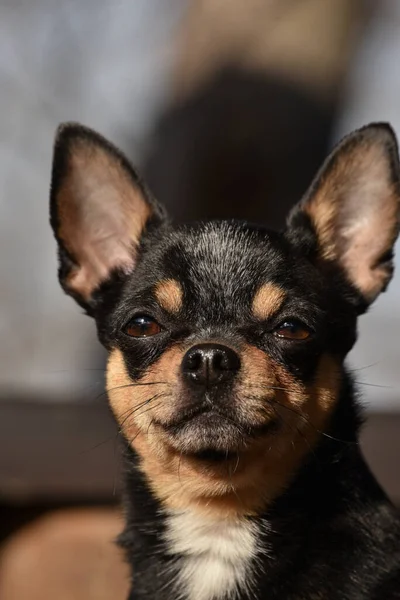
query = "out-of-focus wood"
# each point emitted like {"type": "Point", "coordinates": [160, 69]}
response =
{"type": "Point", "coordinates": [381, 446]}
{"type": "Point", "coordinates": [66, 555]}
{"type": "Point", "coordinates": [57, 452]}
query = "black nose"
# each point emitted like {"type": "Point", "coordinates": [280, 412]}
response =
{"type": "Point", "coordinates": [210, 364]}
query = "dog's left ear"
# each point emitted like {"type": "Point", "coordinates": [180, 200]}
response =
{"type": "Point", "coordinates": [99, 211]}
{"type": "Point", "coordinates": [351, 213]}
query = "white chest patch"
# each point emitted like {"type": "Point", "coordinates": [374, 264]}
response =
{"type": "Point", "coordinates": [218, 555]}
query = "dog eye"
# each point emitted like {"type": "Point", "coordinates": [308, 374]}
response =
{"type": "Point", "coordinates": [292, 330]}
{"type": "Point", "coordinates": [142, 326]}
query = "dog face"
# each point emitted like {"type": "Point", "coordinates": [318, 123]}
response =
{"type": "Point", "coordinates": [226, 340]}
{"type": "Point", "coordinates": [216, 348]}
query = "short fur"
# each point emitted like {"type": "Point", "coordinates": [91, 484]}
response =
{"type": "Point", "coordinates": [240, 424]}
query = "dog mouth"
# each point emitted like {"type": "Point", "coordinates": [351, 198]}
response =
{"type": "Point", "coordinates": [212, 435]}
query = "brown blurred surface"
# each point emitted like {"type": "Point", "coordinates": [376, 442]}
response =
{"type": "Point", "coordinates": [66, 555]}
{"type": "Point", "coordinates": [57, 451]}
{"type": "Point", "coordinates": [381, 446]}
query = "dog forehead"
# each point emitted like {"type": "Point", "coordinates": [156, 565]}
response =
{"type": "Point", "coordinates": [212, 271]}
{"type": "Point", "coordinates": [220, 273]}
{"type": "Point", "coordinates": [225, 256]}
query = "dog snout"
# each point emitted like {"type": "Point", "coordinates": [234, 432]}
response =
{"type": "Point", "coordinates": [210, 364]}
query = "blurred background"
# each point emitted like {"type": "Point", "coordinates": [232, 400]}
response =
{"type": "Point", "coordinates": [228, 108]}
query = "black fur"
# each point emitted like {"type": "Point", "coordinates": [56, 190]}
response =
{"type": "Point", "coordinates": [333, 533]}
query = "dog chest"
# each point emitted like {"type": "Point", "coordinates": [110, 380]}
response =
{"type": "Point", "coordinates": [216, 555]}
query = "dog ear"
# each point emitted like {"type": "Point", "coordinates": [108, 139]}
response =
{"type": "Point", "coordinates": [351, 213]}
{"type": "Point", "coordinates": [99, 210]}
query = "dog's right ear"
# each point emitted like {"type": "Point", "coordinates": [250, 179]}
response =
{"type": "Point", "coordinates": [351, 212]}
{"type": "Point", "coordinates": [99, 211]}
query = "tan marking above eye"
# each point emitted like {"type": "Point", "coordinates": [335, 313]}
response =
{"type": "Point", "coordinates": [169, 295]}
{"type": "Point", "coordinates": [134, 406]}
{"type": "Point", "coordinates": [267, 301]}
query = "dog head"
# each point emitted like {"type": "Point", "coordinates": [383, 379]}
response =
{"type": "Point", "coordinates": [226, 340]}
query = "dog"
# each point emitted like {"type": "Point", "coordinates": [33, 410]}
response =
{"type": "Point", "coordinates": [243, 474]}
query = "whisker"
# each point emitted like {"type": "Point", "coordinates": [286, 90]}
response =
{"type": "Point", "coordinates": [325, 386]}
{"type": "Point", "coordinates": [111, 437]}
{"type": "Point", "coordinates": [150, 407]}
{"type": "Point", "coordinates": [179, 470]}
{"type": "Point", "coordinates": [265, 386]}
{"type": "Point", "coordinates": [148, 428]}
{"type": "Point", "coordinates": [127, 414]}
{"type": "Point", "coordinates": [272, 401]}
{"type": "Point", "coordinates": [353, 369]}
{"type": "Point", "coordinates": [298, 430]}
{"type": "Point", "coordinates": [307, 420]}
{"type": "Point", "coordinates": [138, 384]}
{"type": "Point", "coordinates": [128, 385]}
{"type": "Point", "coordinates": [237, 463]}
{"type": "Point", "coordinates": [131, 440]}
{"type": "Point", "coordinates": [135, 409]}
{"type": "Point", "coordinates": [132, 410]}
{"type": "Point", "coordinates": [357, 382]}
{"type": "Point", "coordinates": [117, 470]}
{"type": "Point", "coordinates": [78, 370]}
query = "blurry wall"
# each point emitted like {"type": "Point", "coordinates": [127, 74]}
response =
{"type": "Point", "coordinates": [372, 93]}
{"type": "Point", "coordinates": [104, 64]}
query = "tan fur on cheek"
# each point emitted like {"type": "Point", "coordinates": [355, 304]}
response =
{"type": "Point", "coordinates": [267, 467]}
{"type": "Point", "coordinates": [302, 412]}
{"type": "Point", "coordinates": [137, 404]}
{"type": "Point", "coordinates": [263, 470]}
{"type": "Point", "coordinates": [269, 381]}
{"type": "Point", "coordinates": [176, 480]}
{"type": "Point", "coordinates": [309, 407]}
{"type": "Point", "coordinates": [275, 384]}
{"type": "Point", "coordinates": [267, 301]}
{"type": "Point", "coordinates": [169, 295]}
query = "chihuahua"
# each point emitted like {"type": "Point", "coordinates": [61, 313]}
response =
{"type": "Point", "coordinates": [240, 423]}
